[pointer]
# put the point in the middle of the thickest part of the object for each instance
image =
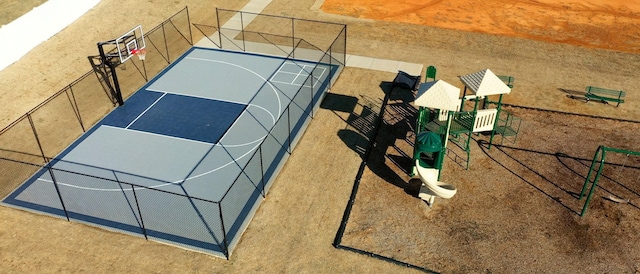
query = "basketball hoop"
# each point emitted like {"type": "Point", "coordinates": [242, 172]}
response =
{"type": "Point", "coordinates": [141, 53]}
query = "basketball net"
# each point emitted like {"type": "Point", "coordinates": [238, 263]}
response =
{"type": "Point", "coordinates": [141, 53]}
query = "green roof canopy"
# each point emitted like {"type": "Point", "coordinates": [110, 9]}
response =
{"type": "Point", "coordinates": [428, 141]}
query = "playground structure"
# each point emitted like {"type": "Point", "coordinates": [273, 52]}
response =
{"type": "Point", "coordinates": [442, 117]}
{"type": "Point", "coordinates": [597, 164]}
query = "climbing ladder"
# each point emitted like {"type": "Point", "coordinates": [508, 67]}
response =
{"type": "Point", "coordinates": [508, 126]}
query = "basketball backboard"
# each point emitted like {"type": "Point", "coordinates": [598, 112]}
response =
{"type": "Point", "coordinates": [129, 43]}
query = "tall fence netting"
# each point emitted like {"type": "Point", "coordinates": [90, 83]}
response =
{"type": "Point", "coordinates": [168, 213]}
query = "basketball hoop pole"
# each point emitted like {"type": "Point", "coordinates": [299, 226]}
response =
{"type": "Point", "coordinates": [112, 68]}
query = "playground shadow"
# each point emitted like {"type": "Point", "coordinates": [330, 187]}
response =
{"type": "Point", "coordinates": [485, 149]}
{"type": "Point", "coordinates": [387, 157]}
{"type": "Point", "coordinates": [570, 163]}
{"type": "Point", "coordinates": [371, 129]}
{"type": "Point", "coordinates": [610, 191]}
{"type": "Point", "coordinates": [343, 106]}
{"type": "Point", "coordinates": [397, 93]}
{"type": "Point", "coordinates": [390, 158]}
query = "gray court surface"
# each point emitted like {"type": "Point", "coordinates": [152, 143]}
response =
{"type": "Point", "coordinates": [188, 158]}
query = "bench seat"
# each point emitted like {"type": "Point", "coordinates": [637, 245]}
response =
{"type": "Point", "coordinates": [605, 95]}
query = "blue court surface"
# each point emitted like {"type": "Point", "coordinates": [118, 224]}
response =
{"type": "Point", "coordinates": [188, 158]}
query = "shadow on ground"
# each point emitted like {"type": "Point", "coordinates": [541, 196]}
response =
{"type": "Point", "coordinates": [397, 126]}
{"type": "Point", "coordinates": [555, 187]}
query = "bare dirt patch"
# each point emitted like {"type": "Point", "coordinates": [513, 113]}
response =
{"type": "Point", "coordinates": [592, 23]}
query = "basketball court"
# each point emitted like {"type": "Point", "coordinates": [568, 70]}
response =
{"type": "Point", "coordinates": [187, 158]}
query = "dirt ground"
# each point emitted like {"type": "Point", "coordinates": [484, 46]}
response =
{"type": "Point", "coordinates": [516, 209]}
{"type": "Point", "coordinates": [591, 23]}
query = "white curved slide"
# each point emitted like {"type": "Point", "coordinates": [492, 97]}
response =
{"type": "Point", "coordinates": [431, 187]}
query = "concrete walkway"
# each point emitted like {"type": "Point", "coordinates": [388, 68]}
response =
{"type": "Point", "coordinates": [40, 31]}
{"type": "Point", "coordinates": [23, 34]}
{"type": "Point", "coordinates": [257, 6]}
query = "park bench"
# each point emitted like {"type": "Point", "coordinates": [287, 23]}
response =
{"type": "Point", "coordinates": [604, 95]}
{"type": "Point", "coordinates": [508, 80]}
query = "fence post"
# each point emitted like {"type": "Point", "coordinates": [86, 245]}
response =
{"type": "Point", "coordinates": [189, 24]}
{"type": "Point", "coordinates": [344, 54]}
{"type": "Point", "coordinates": [264, 194]}
{"type": "Point", "coordinates": [312, 91]}
{"type": "Point", "coordinates": [225, 246]}
{"type": "Point", "coordinates": [35, 134]}
{"type": "Point", "coordinates": [74, 105]}
{"type": "Point", "coordinates": [289, 128]}
{"type": "Point", "coordinates": [219, 28]}
{"type": "Point", "coordinates": [244, 40]}
{"type": "Point", "coordinates": [135, 197]}
{"type": "Point", "coordinates": [293, 38]}
{"type": "Point", "coordinates": [166, 46]}
{"type": "Point", "coordinates": [55, 185]}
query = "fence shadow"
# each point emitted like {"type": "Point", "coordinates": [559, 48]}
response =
{"type": "Point", "coordinates": [388, 157]}
{"type": "Point", "coordinates": [370, 133]}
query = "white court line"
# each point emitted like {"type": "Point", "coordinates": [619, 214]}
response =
{"type": "Point", "coordinates": [319, 77]}
{"type": "Point", "coordinates": [250, 150]}
{"type": "Point", "coordinates": [145, 111]}
{"type": "Point", "coordinates": [93, 188]}
{"type": "Point", "coordinates": [313, 84]}
{"type": "Point", "coordinates": [256, 143]}
{"type": "Point", "coordinates": [277, 71]}
{"type": "Point", "coordinates": [159, 135]}
{"type": "Point", "coordinates": [298, 75]}
{"type": "Point", "coordinates": [196, 96]}
{"type": "Point", "coordinates": [273, 117]}
{"type": "Point", "coordinates": [266, 81]}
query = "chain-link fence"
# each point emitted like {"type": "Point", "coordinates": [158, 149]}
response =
{"type": "Point", "coordinates": [276, 35]}
{"type": "Point", "coordinates": [126, 203]}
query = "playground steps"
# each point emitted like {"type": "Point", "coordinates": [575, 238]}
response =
{"type": "Point", "coordinates": [461, 126]}
{"type": "Point", "coordinates": [436, 127]}
{"type": "Point", "coordinates": [506, 131]}
{"type": "Point", "coordinates": [457, 127]}
{"type": "Point", "coordinates": [508, 126]}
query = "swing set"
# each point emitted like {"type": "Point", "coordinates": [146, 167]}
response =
{"type": "Point", "coordinates": [598, 162]}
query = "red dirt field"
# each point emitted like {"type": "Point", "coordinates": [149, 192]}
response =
{"type": "Point", "coordinates": [600, 24]}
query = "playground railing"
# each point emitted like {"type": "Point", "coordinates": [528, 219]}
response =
{"type": "Point", "coordinates": [485, 118]}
